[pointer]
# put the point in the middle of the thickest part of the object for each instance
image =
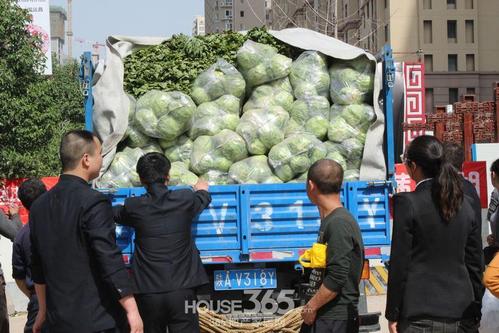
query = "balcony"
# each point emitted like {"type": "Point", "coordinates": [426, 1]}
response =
{"type": "Point", "coordinates": [224, 4]}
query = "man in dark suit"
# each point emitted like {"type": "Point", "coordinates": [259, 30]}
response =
{"type": "Point", "coordinates": [166, 263]}
{"type": "Point", "coordinates": [79, 275]}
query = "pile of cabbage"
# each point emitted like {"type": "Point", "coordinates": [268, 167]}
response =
{"type": "Point", "coordinates": [263, 119]}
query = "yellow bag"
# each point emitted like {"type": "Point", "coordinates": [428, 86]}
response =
{"type": "Point", "coordinates": [491, 276]}
{"type": "Point", "coordinates": [314, 257]}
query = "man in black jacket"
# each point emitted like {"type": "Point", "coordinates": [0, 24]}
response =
{"type": "Point", "coordinates": [166, 264]}
{"type": "Point", "coordinates": [79, 275]}
{"type": "Point", "coordinates": [333, 307]}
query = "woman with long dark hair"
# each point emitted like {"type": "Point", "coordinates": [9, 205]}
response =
{"type": "Point", "coordinates": [436, 261]}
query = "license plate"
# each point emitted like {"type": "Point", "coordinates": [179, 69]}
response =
{"type": "Point", "coordinates": [240, 279]}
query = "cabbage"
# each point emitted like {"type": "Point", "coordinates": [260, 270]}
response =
{"type": "Point", "coordinates": [336, 152]}
{"type": "Point", "coordinates": [350, 121]}
{"type": "Point", "coordinates": [267, 95]}
{"type": "Point", "coordinates": [351, 83]}
{"type": "Point", "coordinates": [253, 170]}
{"type": "Point", "coordinates": [217, 152]}
{"type": "Point", "coordinates": [180, 175]}
{"type": "Point", "coordinates": [351, 175]}
{"type": "Point", "coordinates": [181, 151]}
{"type": "Point", "coordinates": [309, 75]}
{"type": "Point", "coordinates": [212, 117]}
{"type": "Point", "coordinates": [122, 171]}
{"type": "Point", "coordinates": [300, 179]}
{"type": "Point", "coordinates": [164, 115]}
{"type": "Point", "coordinates": [283, 84]}
{"type": "Point", "coordinates": [152, 147]}
{"type": "Point", "coordinates": [220, 79]}
{"type": "Point", "coordinates": [354, 149]}
{"type": "Point", "coordinates": [309, 115]}
{"type": "Point", "coordinates": [260, 63]}
{"type": "Point", "coordinates": [263, 128]}
{"type": "Point", "coordinates": [215, 177]}
{"type": "Point", "coordinates": [295, 155]}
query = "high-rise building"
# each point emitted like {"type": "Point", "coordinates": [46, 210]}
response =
{"type": "Point", "coordinates": [236, 15]}
{"type": "Point", "coordinates": [57, 32]}
{"type": "Point", "coordinates": [198, 27]}
{"type": "Point", "coordinates": [456, 39]}
{"type": "Point", "coordinates": [316, 15]}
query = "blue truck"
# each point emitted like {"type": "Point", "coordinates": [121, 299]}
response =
{"type": "Point", "coordinates": [251, 236]}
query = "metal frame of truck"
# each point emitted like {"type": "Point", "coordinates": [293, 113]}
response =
{"type": "Point", "coordinates": [271, 225]}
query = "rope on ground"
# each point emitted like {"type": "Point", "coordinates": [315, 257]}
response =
{"type": "Point", "coordinates": [212, 322]}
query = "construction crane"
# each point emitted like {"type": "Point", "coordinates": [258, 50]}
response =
{"type": "Point", "coordinates": [69, 33]}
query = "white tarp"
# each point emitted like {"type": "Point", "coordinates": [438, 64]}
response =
{"type": "Point", "coordinates": [110, 116]}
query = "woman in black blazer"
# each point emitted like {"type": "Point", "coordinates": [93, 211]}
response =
{"type": "Point", "coordinates": [436, 262]}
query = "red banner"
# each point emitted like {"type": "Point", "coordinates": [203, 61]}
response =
{"type": "Point", "coordinates": [474, 172]}
{"type": "Point", "coordinates": [8, 194]}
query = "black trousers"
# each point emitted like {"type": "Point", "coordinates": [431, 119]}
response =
{"type": "Point", "coordinates": [434, 326]}
{"type": "Point", "coordinates": [168, 310]}
{"type": "Point", "coordinates": [332, 326]}
{"type": "Point", "coordinates": [4, 315]}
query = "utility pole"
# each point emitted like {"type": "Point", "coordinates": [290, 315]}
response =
{"type": "Point", "coordinates": [335, 18]}
{"type": "Point", "coordinates": [69, 33]}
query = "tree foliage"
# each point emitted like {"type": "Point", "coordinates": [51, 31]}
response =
{"type": "Point", "coordinates": [34, 109]}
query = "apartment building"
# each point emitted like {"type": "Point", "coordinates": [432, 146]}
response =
{"type": "Point", "coordinates": [58, 32]}
{"type": "Point", "coordinates": [456, 39]}
{"type": "Point", "coordinates": [235, 15]}
{"type": "Point", "coordinates": [317, 15]}
{"type": "Point", "coordinates": [198, 26]}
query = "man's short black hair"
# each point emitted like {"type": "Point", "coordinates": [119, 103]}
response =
{"type": "Point", "coordinates": [30, 190]}
{"type": "Point", "coordinates": [454, 154]}
{"type": "Point", "coordinates": [153, 168]}
{"type": "Point", "coordinates": [327, 175]}
{"type": "Point", "coordinates": [74, 145]}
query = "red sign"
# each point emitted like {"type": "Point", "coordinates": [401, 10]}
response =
{"type": "Point", "coordinates": [474, 172]}
{"type": "Point", "coordinates": [414, 95]}
{"type": "Point", "coordinates": [8, 194]}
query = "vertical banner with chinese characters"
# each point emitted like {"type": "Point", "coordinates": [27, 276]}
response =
{"type": "Point", "coordinates": [40, 25]}
{"type": "Point", "coordinates": [474, 172]}
{"type": "Point", "coordinates": [414, 96]}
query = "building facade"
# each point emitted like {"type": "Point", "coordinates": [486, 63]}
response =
{"type": "Point", "coordinates": [235, 15]}
{"type": "Point", "coordinates": [198, 27]}
{"type": "Point", "coordinates": [317, 15]}
{"type": "Point", "coordinates": [456, 39]}
{"type": "Point", "coordinates": [58, 32]}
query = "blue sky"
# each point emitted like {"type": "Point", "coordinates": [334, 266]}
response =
{"type": "Point", "coordinates": [94, 20]}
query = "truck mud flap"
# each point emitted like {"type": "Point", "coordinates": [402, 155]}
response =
{"type": "Point", "coordinates": [369, 322]}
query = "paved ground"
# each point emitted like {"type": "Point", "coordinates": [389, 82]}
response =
{"type": "Point", "coordinates": [17, 323]}
{"type": "Point", "coordinates": [377, 304]}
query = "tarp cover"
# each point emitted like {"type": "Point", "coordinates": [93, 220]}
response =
{"type": "Point", "coordinates": [110, 115]}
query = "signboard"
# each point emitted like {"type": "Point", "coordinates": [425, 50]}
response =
{"type": "Point", "coordinates": [414, 95]}
{"type": "Point", "coordinates": [474, 172]}
{"type": "Point", "coordinates": [40, 25]}
{"type": "Point", "coordinates": [8, 194]}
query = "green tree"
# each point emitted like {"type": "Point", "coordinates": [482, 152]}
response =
{"type": "Point", "coordinates": [35, 110]}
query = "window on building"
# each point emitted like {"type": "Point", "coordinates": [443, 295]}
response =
{"type": "Point", "coordinates": [386, 3]}
{"type": "Point", "coordinates": [453, 95]}
{"type": "Point", "coordinates": [428, 62]}
{"type": "Point", "coordinates": [367, 10]}
{"type": "Point", "coordinates": [241, 13]}
{"type": "Point", "coordinates": [452, 62]}
{"type": "Point", "coordinates": [470, 31]}
{"type": "Point", "coordinates": [470, 62]}
{"type": "Point", "coordinates": [426, 4]}
{"type": "Point", "coordinates": [241, 27]}
{"type": "Point", "coordinates": [428, 32]}
{"type": "Point", "coordinates": [452, 31]}
{"type": "Point", "coordinates": [227, 13]}
{"type": "Point", "coordinates": [470, 91]}
{"type": "Point", "coordinates": [468, 4]}
{"type": "Point", "coordinates": [451, 4]}
{"type": "Point", "coordinates": [242, 1]}
{"type": "Point", "coordinates": [429, 100]}
{"type": "Point", "coordinates": [387, 33]}
{"type": "Point", "coordinates": [345, 12]}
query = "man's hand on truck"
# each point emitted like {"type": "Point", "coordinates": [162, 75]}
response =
{"type": "Point", "coordinates": [201, 185]}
